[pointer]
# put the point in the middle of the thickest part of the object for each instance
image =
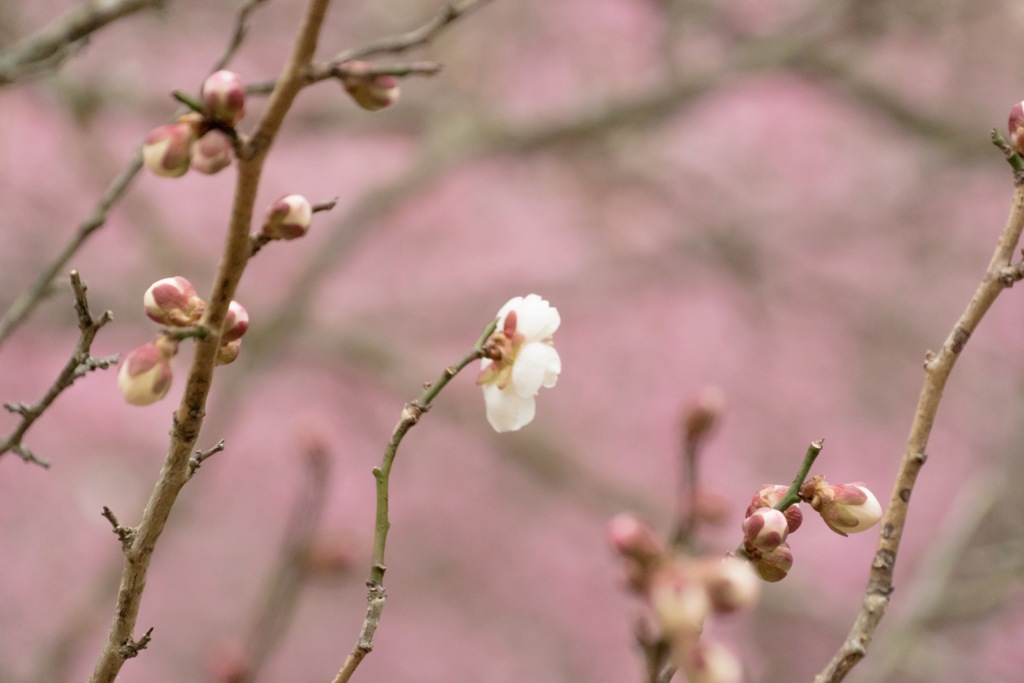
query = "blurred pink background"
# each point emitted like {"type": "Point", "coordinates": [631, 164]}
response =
{"type": "Point", "coordinates": [792, 200]}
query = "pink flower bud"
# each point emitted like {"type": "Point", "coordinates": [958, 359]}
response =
{"type": "Point", "coordinates": [228, 353]}
{"type": "Point", "coordinates": [212, 152]}
{"type": "Point", "coordinates": [679, 599]}
{"type": "Point", "coordinates": [708, 661]}
{"type": "Point", "coordinates": [236, 322]}
{"type": "Point", "coordinates": [166, 150]}
{"type": "Point", "coordinates": [1017, 126]}
{"type": "Point", "coordinates": [703, 413]}
{"type": "Point", "coordinates": [632, 537]}
{"type": "Point", "coordinates": [731, 583]}
{"type": "Point", "coordinates": [770, 495]}
{"type": "Point", "coordinates": [773, 566]}
{"type": "Point", "coordinates": [173, 301]}
{"type": "Point", "coordinates": [223, 97]}
{"type": "Point", "coordinates": [371, 92]}
{"type": "Point", "coordinates": [765, 529]}
{"type": "Point", "coordinates": [145, 374]}
{"type": "Point", "coordinates": [288, 218]}
{"type": "Point", "coordinates": [846, 508]}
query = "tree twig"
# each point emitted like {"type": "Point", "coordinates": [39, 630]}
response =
{"type": "Point", "coordinates": [376, 595]}
{"type": "Point", "coordinates": [938, 366]}
{"type": "Point", "coordinates": [49, 47]}
{"type": "Point", "coordinates": [77, 366]}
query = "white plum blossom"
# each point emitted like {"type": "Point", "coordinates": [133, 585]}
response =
{"type": "Point", "coordinates": [519, 360]}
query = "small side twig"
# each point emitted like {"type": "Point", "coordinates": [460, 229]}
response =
{"type": "Point", "coordinates": [376, 595]}
{"type": "Point", "coordinates": [78, 365]}
{"type": "Point", "coordinates": [238, 34]}
{"type": "Point", "coordinates": [199, 457]}
{"type": "Point", "coordinates": [125, 534]}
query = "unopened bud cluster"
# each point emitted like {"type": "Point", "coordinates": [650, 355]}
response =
{"type": "Point", "coordinates": [845, 508]}
{"type": "Point", "coordinates": [200, 141]}
{"type": "Point", "coordinates": [682, 594]}
{"type": "Point", "coordinates": [145, 374]}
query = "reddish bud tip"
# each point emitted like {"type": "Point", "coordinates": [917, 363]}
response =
{"type": "Point", "coordinates": [288, 218]}
{"type": "Point", "coordinates": [223, 97]}
{"type": "Point", "coordinates": [371, 92]}
{"type": "Point", "coordinates": [173, 301]}
{"type": "Point", "coordinates": [235, 323]}
{"type": "Point", "coordinates": [167, 150]}
{"type": "Point", "coordinates": [212, 152]}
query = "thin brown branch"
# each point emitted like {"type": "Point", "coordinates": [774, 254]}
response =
{"type": "Point", "coordinates": [415, 38]}
{"type": "Point", "coordinates": [77, 366]}
{"type": "Point", "coordinates": [188, 419]}
{"type": "Point", "coordinates": [938, 367]}
{"type": "Point", "coordinates": [48, 48]}
{"type": "Point", "coordinates": [30, 298]}
{"type": "Point", "coordinates": [238, 34]}
{"type": "Point", "coordinates": [376, 595]}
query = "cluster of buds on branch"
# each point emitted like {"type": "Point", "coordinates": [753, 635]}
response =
{"type": "Point", "coordinates": [682, 593]}
{"type": "Point", "coordinates": [145, 374]}
{"type": "Point", "coordinates": [845, 508]}
{"type": "Point", "coordinates": [200, 140]}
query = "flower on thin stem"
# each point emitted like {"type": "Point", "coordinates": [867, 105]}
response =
{"type": "Point", "coordinates": [519, 359]}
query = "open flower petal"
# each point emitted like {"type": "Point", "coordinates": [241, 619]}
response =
{"type": "Point", "coordinates": [537, 319]}
{"type": "Point", "coordinates": [506, 410]}
{"type": "Point", "coordinates": [536, 365]}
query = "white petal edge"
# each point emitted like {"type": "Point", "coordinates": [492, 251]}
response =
{"type": "Point", "coordinates": [506, 411]}
{"type": "Point", "coordinates": [536, 365]}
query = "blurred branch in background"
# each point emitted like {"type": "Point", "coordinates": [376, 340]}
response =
{"type": "Point", "coordinates": [45, 50]}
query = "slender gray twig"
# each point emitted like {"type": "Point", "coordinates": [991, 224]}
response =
{"type": "Point", "coordinates": [77, 366]}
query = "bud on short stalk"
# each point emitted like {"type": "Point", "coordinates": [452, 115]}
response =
{"type": "Point", "coordinates": [167, 150]}
{"type": "Point", "coordinates": [1017, 127]}
{"type": "Point", "coordinates": [236, 322]}
{"type": "Point", "coordinates": [770, 495]}
{"type": "Point", "coordinates": [145, 374]}
{"type": "Point", "coordinates": [223, 97]}
{"type": "Point", "coordinates": [228, 352]}
{"type": "Point", "coordinates": [765, 529]}
{"type": "Point", "coordinates": [173, 301]}
{"type": "Point", "coordinates": [371, 92]}
{"type": "Point", "coordinates": [703, 413]}
{"type": "Point", "coordinates": [845, 508]}
{"type": "Point", "coordinates": [288, 218]}
{"type": "Point", "coordinates": [212, 152]}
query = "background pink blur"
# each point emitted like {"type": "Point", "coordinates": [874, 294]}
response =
{"type": "Point", "coordinates": [793, 200]}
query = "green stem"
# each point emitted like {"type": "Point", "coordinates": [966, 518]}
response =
{"type": "Point", "coordinates": [792, 496]}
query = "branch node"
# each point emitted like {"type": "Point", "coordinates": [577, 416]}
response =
{"type": "Point", "coordinates": [196, 461]}
{"type": "Point", "coordinates": [130, 648]}
{"type": "Point", "coordinates": [125, 534]}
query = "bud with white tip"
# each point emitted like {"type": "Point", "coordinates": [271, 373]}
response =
{"type": "Point", "coordinates": [167, 150]}
{"type": "Point", "coordinates": [765, 529]}
{"type": "Point", "coordinates": [173, 301]}
{"type": "Point", "coordinates": [288, 218]}
{"type": "Point", "coordinates": [236, 322]}
{"type": "Point", "coordinates": [846, 508]}
{"type": "Point", "coordinates": [145, 374]}
{"type": "Point", "coordinates": [223, 97]}
{"type": "Point", "coordinates": [228, 353]}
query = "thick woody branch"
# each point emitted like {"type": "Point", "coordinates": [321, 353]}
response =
{"type": "Point", "coordinates": [937, 367]}
{"type": "Point", "coordinates": [77, 366]}
{"type": "Point", "coordinates": [62, 37]}
{"type": "Point", "coordinates": [188, 419]}
{"type": "Point", "coordinates": [376, 595]}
